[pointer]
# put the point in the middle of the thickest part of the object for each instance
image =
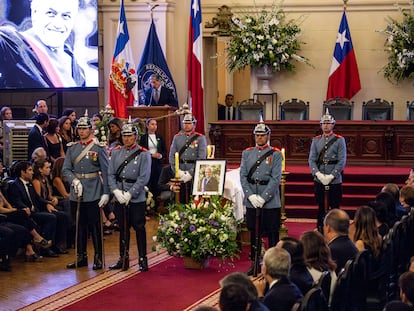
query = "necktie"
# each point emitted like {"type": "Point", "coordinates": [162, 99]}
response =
{"type": "Point", "coordinates": [28, 187]}
{"type": "Point", "coordinates": [156, 96]}
{"type": "Point", "coordinates": [229, 113]}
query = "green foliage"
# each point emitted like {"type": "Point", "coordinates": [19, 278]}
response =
{"type": "Point", "coordinates": [208, 228]}
{"type": "Point", "coordinates": [400, 46]}
{"type": "Point", "coordinates": [264, 37]}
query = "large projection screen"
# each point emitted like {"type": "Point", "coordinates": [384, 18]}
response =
{"type": "Point", "coordinates": [48, 44]}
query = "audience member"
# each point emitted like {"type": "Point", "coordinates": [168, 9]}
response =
{"type": "Point", "coordinates": [35, 138]}
{"type": "Point", "coordinates": [22, 196]}
{"type": "Point", "coordinates": [227, 111]}
{"type": "Point", "coordinates": [159, 95]}
{"type": "Point", "coordinates": [366, 234]}
{"type": "Point", "coordinates": [71, 114]}
{"type": "Point", "coordinates": [155, 143]}
{"type": "Point", "coordinates": [6, 113]}
{"type": "Point", "coordinates": [233, 297]}
{"type": "Point", "coordinates": [410, 179]}
{"type": "Point", "coordinates": [38, 154]}
{"type": "Point", "coordinates": [411, 268]}
{"type": "Point", "coordinates": [53, 141]}
{"type": "Point", "coordinates": [41, 107]}
{"type": "Point", "coordinates": [336, 233]}
{"type": "Point", "coordinates": [190, 146]}
{"type": "Point", "coordinates": [243, 280]}
{"type": "Point", "coordinates": [389, 215]}
{"type": "Point", "coordinates": [282, 293]}
{"type": "Point", "coordinates": [166, 187]}
{"type": "Point", "coordinates": [381, 215]}
{"type": "Point", "coordinates": [65, 132]}
{"type": "Point", "coordinates": [298, 272]}
{"type": "Point", "coordinates": [114, 135]}
{"type": "Point", "coordinates": [41, 184]}
{"type": "Point", "coordinates": [407, 198]}
{"type": "Point", "coordinates": [394, 190]}
{"type": "Point", "coordinates": [406, 284]}
{"type": "Point", "coordinates": [97, 117]}
{"type": "Point", "coordinates": [318, 257]}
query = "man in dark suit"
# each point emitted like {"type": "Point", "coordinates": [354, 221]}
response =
{"type": "Point", "coordinates": [227, 112]}
{"type": "Point", "coordinates": [156, 145]}
{"type": "Point", "coordinates": [209, 182]}
{"type": "Point", "coordinates": [22, 195]}
{"type": "Point", "coordinates": [282, 293]}
{"type": "Point", "coordinates": [159, 95]}
{"type": "Point", "coordinates": [41, 107]}
{"type": "Point", "coordinates": [35, 138]}
{"type": "Point", "coordinates": [336, 230]}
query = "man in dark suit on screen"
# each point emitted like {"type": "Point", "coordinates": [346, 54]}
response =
{"type": "Point", "coordinates": [159, 95]}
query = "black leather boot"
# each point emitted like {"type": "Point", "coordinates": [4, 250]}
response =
{"type": "Point", "coordinates": [143, 264]}
{"type": "Point", "coordinates": [118, 264]}
{"type": "Point", "coordinates": [97, 245]}
{"type": "Point", "coordinates": [82, 261]}
{"type": "Point", "coordinates": [97, 262]}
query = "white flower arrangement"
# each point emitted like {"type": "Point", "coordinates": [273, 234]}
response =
{"type": "Point", "coordinates": [264, 37]}
{"type": "Point", "coordinates": [208, 228]}
{"type": "Point", "coordinates": [400, 46]}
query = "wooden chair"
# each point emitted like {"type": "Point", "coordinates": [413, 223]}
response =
{"type": "Point", "coordinates": [340, 108]}
{"type": "Point", "coordinates": [377, 109]}
{"type": "Point", "coordinates": [410, 110]}
{"type": "Point", "coordinates": [250, 110]}
{"type": "Point", "coordinates": [294, 109]}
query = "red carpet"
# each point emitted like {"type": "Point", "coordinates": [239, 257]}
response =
{"type": "Point", "coordinates": [166, 286]}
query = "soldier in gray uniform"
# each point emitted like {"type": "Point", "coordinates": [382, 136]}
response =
{"type": "Point", "coordinates": [327, 159]}
{"type": "Point", "coordinates": [129, 172]}
{"type": "Point", "coordinates": [86, 169]}
{"type": "Point", "coordinates": [260, 174]}
{"type": "Point", "coordinates": [191, 146]}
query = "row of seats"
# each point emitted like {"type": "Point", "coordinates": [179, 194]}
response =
{"type": "Point", "coordinates": [340, 108]}
{"type": "Point", "coordinates": [365, 283]}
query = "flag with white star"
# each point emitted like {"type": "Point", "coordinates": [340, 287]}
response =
{"type": "Point", "coordinates": [123, 89]}
{"type": "Point", "coordinates": [344, 76]}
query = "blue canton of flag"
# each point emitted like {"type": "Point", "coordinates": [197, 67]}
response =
{"type": "Point", "coordinates": [153, 61]}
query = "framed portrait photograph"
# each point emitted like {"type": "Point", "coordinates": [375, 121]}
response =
{"type": "Point", "coordinates": [209, 177]}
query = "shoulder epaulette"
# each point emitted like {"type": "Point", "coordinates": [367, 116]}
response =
{"type": "Point", "coordinates": [319, 136]}
{"type": "Point", "coordinates": [275, 149]}
{"type": "Point", "coordinates": [338, 136]}
{"type": "Point", "coordinates": [199, 134]}
{"type": "Point", "coordinates": [179, 134]}
{"type": "Point", "coordinates": [71, 143]}
{"type": "Point", "coordinates": [143, 149]}
{"type": "Point", "coordinates": [249, 148]}
{"type": "Point", "coordinates": [117, 147]}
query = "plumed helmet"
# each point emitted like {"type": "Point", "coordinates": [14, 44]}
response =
{"type": "Point", "coordinates": [189, 118]}
{"type": "Point", "coordinates": [327, 118]}
{"type": "Point", "coordinates": [261, 128]}
{"type": "Point", "coordinates": [84, 122]}
{"type": "Point", "coordinates": [129, 128]}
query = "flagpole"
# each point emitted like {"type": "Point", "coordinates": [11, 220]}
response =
{"type": "Point", "coordinates": [345, 2]}
{"type": "Point", "coordinates": [152, 7]}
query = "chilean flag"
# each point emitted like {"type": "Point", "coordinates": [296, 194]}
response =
{"type": "Point", "coordinates": [195, 65]}
{"type": "Point", "coordinates": [122, 78]}
{"type": "Point", "coordinates": [343, 77]}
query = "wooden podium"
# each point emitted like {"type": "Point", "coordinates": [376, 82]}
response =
{"type": "Point", "coordinates": [167, 120]}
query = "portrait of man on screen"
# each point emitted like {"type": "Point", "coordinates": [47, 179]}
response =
{"type": "Point", "coordinates": [41, 51]}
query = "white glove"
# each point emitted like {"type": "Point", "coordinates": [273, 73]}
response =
{"type": "Point", "coordinates": [253, 199]}
{"type": "Point", "coordinates": [260, 200]}
{"type": "Point", "coordinates": [325, 180]}
{"type": "Point", "coordinates": [181, 174]}
{"type": "Point", "coordinates": [186, 177]}
{"type": "Point", "coordinates": [119, 196]}
{"type": "Point", "coordinates": [104, 200]}
{"type": "Point", "coordinates": [329, 178]}
{"type": "Point", "coordinates": [320, 176]}
{"type": "Point", "coordinates": [77, 187]}
{"type": "Point", "coordinates": [127, 196]}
